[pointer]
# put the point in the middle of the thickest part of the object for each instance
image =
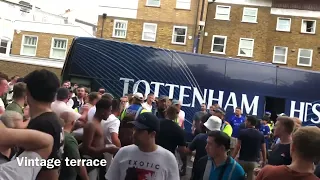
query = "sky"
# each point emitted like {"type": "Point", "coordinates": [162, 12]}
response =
{"type": "Point", "coordinates": [85, 10]}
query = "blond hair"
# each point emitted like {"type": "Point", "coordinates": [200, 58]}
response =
{"type": "Point", "coordinates": [67, 117]}
{"type": "Point", "coordinates": [306, 141]}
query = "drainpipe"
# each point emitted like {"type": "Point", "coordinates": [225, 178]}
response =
{"type": "Point", "coordinates": [197, 40]}
{"type": "Point", "coordinates": [104, 17]}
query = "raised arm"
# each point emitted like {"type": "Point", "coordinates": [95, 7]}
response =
{"type": "Point", "coordinates": [30, 140]}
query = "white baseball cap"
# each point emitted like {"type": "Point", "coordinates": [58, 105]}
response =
{"type": "Point", "coordinates": [138, 96]}
{"type": "Point", "coordinates": [213, 123]}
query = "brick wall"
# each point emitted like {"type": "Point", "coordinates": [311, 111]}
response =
{"type": "Point", "coordinates": [264, 34]}
{"type": "Point", "coordinates": [44, 42]}
{"type": "Point", "coordinates": [134, 33]}
{"type": "Point", "coordinates": [21, 69]}
{"type": "Point", "coordinates": [167, 12]}
{"type": "Point", "coordinates": [235, 29]}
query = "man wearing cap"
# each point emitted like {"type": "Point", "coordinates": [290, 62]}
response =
{"type": "Point", "coordinates": [225, 127]}
{"type": "Point", "coordinates": [181, 114]}
{"type": "Point", "coordinates": [162, 105]}
{"type": "Point", "coordinates": [144, 159]}
{"type": "Point", "coordinates": [136, 108]}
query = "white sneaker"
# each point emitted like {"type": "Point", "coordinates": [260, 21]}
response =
{"type": "Point", "coordinates": [192, 159]}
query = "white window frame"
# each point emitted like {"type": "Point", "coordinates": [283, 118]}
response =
{"type": "Point", "coordinates": [114, 28]}
{"type": "Point", "coordinates": [274, 54]}
{"type": "Point", "coordinates": [305, 65]}
{"type": "Point", "coordinates": [277, 29]}
{"type": "Point", "coordinates": [155, 32]}
{"type": "Point", "coordinates": [243, 15]}
{"type": "Point", "coordinates": [224, 45]}
{"type": "Point", "coordinates": [147, 4]}
{"type": "Point", "coordinates": [183, 1]}
{"type": "Point", "coordinates": [51, 48]}
{"type": "Point", "coordinates": [223, 7]}
{"type": "Point", "coordinates": [315, 26]}
{"type": "Point", "coordinates": [185, 38]}
{"type": "Point", "coordinates": [22, 45]}
{"type": "Point", "coordinates": [251, 48]}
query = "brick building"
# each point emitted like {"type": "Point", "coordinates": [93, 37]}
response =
{"type": "Point", "coordinates": [273, 31]}
{"type": "Point", "coordinates": [36, 39]}
{"type": "Point", "coordinates": [167, 24]}
{"type": "Point", "coordinates": [279, 32]}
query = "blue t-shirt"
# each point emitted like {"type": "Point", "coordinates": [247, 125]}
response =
{"type": "Point", "coordinates": [265, 130]}
{"type": "Point", "coordinates": [236, 174]}
{"type": "Point", "coordinates": [235, 122]}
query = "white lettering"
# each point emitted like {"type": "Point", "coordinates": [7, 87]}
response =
{"type": "Point", "coordinates": [316, 112]}
{"type": "Point", "coordinates": [219, 99]}
{"type": "Point", "coordinates": [146, 84]}
{"type": "Point", "coordinates": [253, 106]}
{"type": "Point", "coordinates": [126, 82]}
{"type": "Point", "coordinates": [232, 97]}
{"type": "Point", "coordinates": [20, 161]}
{"type": "Point", "coordinates": [201, 99]}
{"type": "Point", "coordinates": [182, 95]}
{"type": "Point", "coordinates": [156, 88]}
{"type": "Point", "coordinates": [300, 111]}
{"type": "Point", "coordinates": [306, 111]}
{"type": "Point", "coordinates": [171, 89]}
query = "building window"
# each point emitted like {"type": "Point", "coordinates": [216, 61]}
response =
{"type": "Point", "coordinates": [284, 24]}
{"type": "Point", "coordinates": [149, 32]}
{"type": "Point", "coordinates": [58, 48]}
{"type": "Point", "coordinates": [3, 46]}
{"type": "Point", "coordinates": [223, 12]}
{"type": "Point", "coordinates": [219, 44]}
{"type": "Point", "coordinates": [179, 35]}
{"type": "Point", "coordinates": [250, 15]}
{"type": "Point", "coordinates": [29, 45]}
{"type": "Point", "coordinates": [155, 3]}
{"type": "Point", "coordinates": [246, 47]}
{"type": "Point", "coordinates": [280, 55]}
{"type": "Point", "coordinates": [183, 4]}
{"type": "Point", "coordinates": [305, 57]}
{"type": "Point", "coordinates": [120, 29]}
{"type": "Point", "coordinates": [308, 26]}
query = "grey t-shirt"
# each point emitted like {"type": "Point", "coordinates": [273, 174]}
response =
{"type": "Point", "coordinates": [13, 170]}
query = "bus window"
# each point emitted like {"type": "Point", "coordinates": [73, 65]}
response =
{"type": "Point", "coordinates": [275, 106]}
{"type": "Point", "coordinates": [81, 82]}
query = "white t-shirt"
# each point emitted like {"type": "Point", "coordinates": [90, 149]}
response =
{"type": "Point", "coordinates": [12, 170]}
{"type": "Point", "coordinates": [147, 106]}
{"type": "Point", "coordinates": [59, 107]}
{"type": "Point", "coordinates": [131, 163]}
{"type": "Point", "coordinates": [70, 103]}
{"type": "Point", "coordinates": [111, 125]}
{"type": "Point", "coordinates": [91, 113]}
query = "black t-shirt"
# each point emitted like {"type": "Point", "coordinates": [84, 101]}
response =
{"type": "Point", "coordinates": [170, 136]}
{"type": "Point", "coordinates": [49, 123]}
{"type": "Point", "coordinates": [280, 155]}
{"type": "Point", "coordinates": [251, 141]}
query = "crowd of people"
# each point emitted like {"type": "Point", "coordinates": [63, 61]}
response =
{"type": "Point", "coordinates": [141, 138]}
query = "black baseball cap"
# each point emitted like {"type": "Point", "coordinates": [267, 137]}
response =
{"type": "Point", "coordinates": [220, 110]}
{"type": "Point", "coordinates": [147, 121]}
